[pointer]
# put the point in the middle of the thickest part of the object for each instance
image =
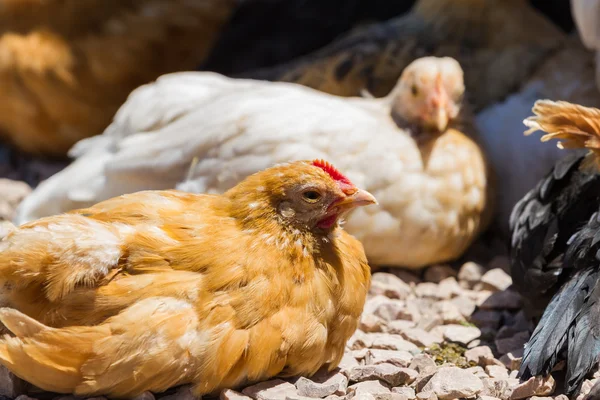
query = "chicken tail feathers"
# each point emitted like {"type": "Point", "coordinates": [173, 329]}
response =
{"type": "Point", "coordinates": [119, 358]}
{"type": "Point", "coordinates": [573, 125]}
{"type": "Point", "coordinates": [570, 325]}
{"type": "Point", "coordinates": [35, 354]}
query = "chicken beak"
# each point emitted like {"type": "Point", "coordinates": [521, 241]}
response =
{"type": "Point", "coordinates": [357, 199]}
{"type": "Point", "coordinates": [438, 107]}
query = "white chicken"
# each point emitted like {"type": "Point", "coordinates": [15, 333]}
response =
{"type": "Point", "coordinates": [430, 179]}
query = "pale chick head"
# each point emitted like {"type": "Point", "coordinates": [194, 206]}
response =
{"type": "Point", "coordinates": [429, 93]}
{"type": "Point", "coordinates": [303, 195]}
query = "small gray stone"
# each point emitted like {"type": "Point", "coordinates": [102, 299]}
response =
{"type": "Point", "coordinates": [590, 390]}
{"type": "Point", "coordinates": [449, 288]}
{"type": "Point", "coordinates": [515, 342]}
{"type": "Point", "coordinates": [496, 279]}
{"type": "Point", "coordinates": [536, 386]}
{"type": "Point", "coordinates": [374, 388]}
{"type": "Point", "coordinates": [360, 340]}
{"type": "Point", "coordinates": [501, 262]}
{"type": "Point", "coordinates": [452, 383]}
{"type": "Point", "coordinates": [428, 290]}
{"type": "Point", "coordinates": [430, 321]}
{"type": "Point", "coordinates": [506, 299]}
{"type": "Point", "coordinates": [323, 385]}
{"type": "Point", "coordinates": [391, 374]}
{"type": "Point", "coordinates": [449, 312]}
{"type": "Point", "coordinates": [372, 323]}
{"type": "Point", "coordinates": [11, 194]}
{"type": "Point", "coordinates": [390, 310]}
{"type": "Point", "coordinates": [275, 389]}
{"type": "Point", "coordinates": [422, 362]}
{"type": "Point", "coordinates": [406, 391]}
{"type": "Point", "coordinates": [496, 371]}
{"type": "Point", "coordinates": [406, 276]}
{"type": "Point", "coordinates": [183, 393]}
{"type": "Point", "coordinates": [296, 396]}
{"type": "Point", "coordinates": [499, 388]}
{"type": "Point", "coordinates": [486, 318]}
{"type": "Point", "coordinates": [470, 273]}
{"type": "Point", "coordinates": [10, 384]}
{"type": "Point", "coordinates": [461, 334]}
{"type": "Point", "coordinates": [144, 396]}
{"type": "Point", "coordinates": [464, 304]}
{"type": "Point", "coordinates": [400, 325]}
{"type": "Point", "coordinates": [420, 337]}
{"type": "Point", "coordinates": [390, 286]}
{"type": "Point", "coordinates": [482, 355]}
{"type": "Point", "coordinates": [399, 358]}
{"type": "Point", "coordinates": [393, 342]}
{"type": "Point", "coordinates": [229, 394]}
{"type": "Point", "coordinates": [348, 362]}
{"type": "Point", "coordinates": [426, 396]}
{"type": "Point", "coordinates": [478, 372]}
{"type": "Point", "coordinates": [438, 273]}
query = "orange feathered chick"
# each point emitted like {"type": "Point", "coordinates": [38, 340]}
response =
{"type": "Point", "coordinates": [160, 288]}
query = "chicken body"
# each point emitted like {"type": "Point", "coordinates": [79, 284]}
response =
{"type": "Point", "coordinates": [432, 187]}
{"type": "Point", "coordinates": [160, 288]}
{"type": "Point", "coordinates": [67, 65]}
{"type": "Point", "coordinates": [498, 43]}
{"type": "Point", "coordinates": [554, 249]}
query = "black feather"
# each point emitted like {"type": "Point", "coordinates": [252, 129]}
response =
{"type": "Point", "coordinates": [541, 224]}
{"type": "Point", "coordinates": [570, 325]}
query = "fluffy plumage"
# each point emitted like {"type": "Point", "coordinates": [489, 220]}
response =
{"type": "Point", "coordinates": [67, 65]}
{"type": "Point", "coordinates": [374, 57]}
{"type": "Point", "coordinates": [159, 288]}
{"type": "Point", "coordinates": [432, 185]}
{"type": "Point", "coordinates": [555, 236]}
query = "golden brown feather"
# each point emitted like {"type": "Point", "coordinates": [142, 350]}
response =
{"type": "Point", "coordinates": [67, 65]}
{"type": "Point", "coordinates": [573, 125]}
{"type": "Point", "coordinates": [154, 289]}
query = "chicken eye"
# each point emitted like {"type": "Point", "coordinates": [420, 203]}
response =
{"type": "Point", "coordinates": [312, 196]}
{"type": "Point", "coordinates": [414, 90]}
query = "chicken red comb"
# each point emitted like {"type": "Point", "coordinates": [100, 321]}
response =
{"type": "Point", "coordinates": [332, 172]}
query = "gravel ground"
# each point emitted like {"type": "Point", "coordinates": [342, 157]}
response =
{"type": "Point", "coordinates": [448, 332]}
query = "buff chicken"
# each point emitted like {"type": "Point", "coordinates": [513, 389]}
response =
{"type": "Point", "coordinates": [555, 248]}
{"type": "Point", "coordinates": [67, 65]}
{"type": "Point", "coordinates": [156, 289]}
{"type": "Point", "coordinates": [415, 150]}
{"type": "Point", "coordinates": [498, 43]}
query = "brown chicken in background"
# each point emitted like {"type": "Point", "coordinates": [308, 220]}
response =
{"type": "Point", "coordinates": [498, 43]}
{"type": "Point", "coordinates": [160, 288]}
{"type": "Point", "coordinates": [67, 65]}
